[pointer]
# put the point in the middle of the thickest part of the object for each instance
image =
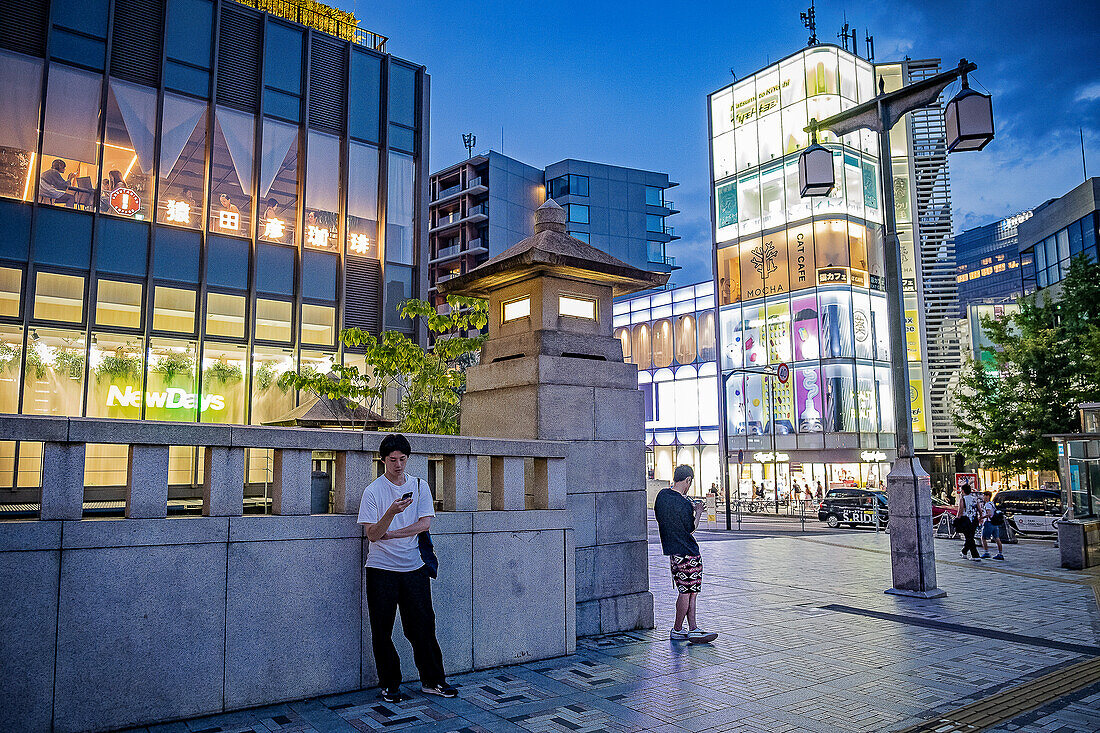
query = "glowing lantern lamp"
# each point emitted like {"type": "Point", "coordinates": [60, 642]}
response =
{"type": "Point", "coordinates": [815, 168]}
{"type": "Point", "coordinates": [969, 119]}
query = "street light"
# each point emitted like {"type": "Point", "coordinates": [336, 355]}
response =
{"type": "Point", "coordinates": [969, 127]}
{"type": "Point", "coordinates": [815, 168]}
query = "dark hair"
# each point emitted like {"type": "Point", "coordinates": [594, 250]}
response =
{"type": "Point", "coordinates": [272, 201]}
{"type": "Point", "coordinates": [682, 472]}
{"type": "Point", "coordinates": [395, 442]}
{"type": "Point", "coordinates": [966, 488]}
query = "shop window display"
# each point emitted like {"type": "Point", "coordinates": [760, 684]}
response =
{"type": "Point", "coordinates": [685, 339]}
{"type": "Point", "coordinates": [231, 173]}
{"type": "Point", "coordinates": [729, 275]}
{"type": "Point", "coordinates": [866, 399]}
{"type": "Point", "coordinates": [115, 376]}
{"type": "Point", "coordinates": [68, 171]}
{"type": "Point", "coordinates": [779, 330]}
{"type": "Point", "coordinates": [11, 356]}
{"type": "Point", "coordinates": [805, 331]}
{"type": "Point", "coordinates": [271, 398]}
{"type": "Point", "coordinates": [224, 384]}
{"type": "Point", "coordinates": [172, 392]}
{"type": "Point", "coordinates": [21, 90]}
{"type": "Point", "coordinates": [53, 375]}
{"type": "Point", "coordinates": [126, 188]}
{"type": "Point", "coordinates": [808, 399]}
{"type": "Point", "coordinates": [862, 329]}
{"type": "Point", "coordinates": [733, 353]}
{"type": "Point", "coordinates": [182, 162]}
{"type": "Point", "coordinates": [836, 338]}
{"type": "Point", "coordinates": [840, 405]}
{"type": "Point", "coordinates": [278, 189]}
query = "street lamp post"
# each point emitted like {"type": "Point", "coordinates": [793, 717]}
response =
{"type": "Point", "coordinates": [908, 486]}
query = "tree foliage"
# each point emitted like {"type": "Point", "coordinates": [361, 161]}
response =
{"type": "Point", "coordinates": [1045, 362]}
{"type": "Point", "coordinates": [429, 384]}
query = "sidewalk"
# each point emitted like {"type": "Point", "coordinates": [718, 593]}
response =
{"type": "Point", "coordinates": [809, 641]}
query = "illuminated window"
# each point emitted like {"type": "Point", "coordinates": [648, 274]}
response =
{"type": "Point", "coordinates": [400, 197]}
{"type": "Point", "coordinates": [21, 90]}
{"type": "Point", "coordinates": [231, 173]}
{"type": "Point", "coordinates": [173, 309]}
{"type": "Point", "coordinates": [69, 166]}
{"type": "Point", "coordinates": [515, 309]}
{"type": "Point", "coordinates": [279, 182]}
{"type": "Point", "coordinates": [318, 324]}
{"type": "Point", "coordinates": [114, 375]}
{"type": "Point", "coordinates": [224, 387]}
{"type": "Point", "coordinates": [59, 297]}
{"type": "Point", "coordinates": [273, 320]}
{"type": "Point", "coordinates": [11, 290]}
{"type": "Point", "coordinates": [270, 399]}
{"type": "Point", "coordinates": [224, 315]}
{"type": "Point", "coordinates": [53, 380]}
{"type": "Point", "coordinates": [172, 387]}
{"type": "Point", "coordinates": [321, 229]}
{"type": "Point", "coordinates": [127, 185]}
{"type": "Point", "coordinates": [182, 162]}
{"type": "Point", "coordinates": [662, 343]}
{"type": "Point", "coordinates": [118, 304]}
{"type": "Point", "coordinates": [362, 220]}
{"type": "Point", "coordinates": [576, 307]}
{"type": "Point", "coordinates": [641, 352]}
{"type": "Point", "coordinates": [623, 334]}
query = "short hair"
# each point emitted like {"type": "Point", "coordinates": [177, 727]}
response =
{"type": "Point", "coordinates": [272, 201]}
{"type": "Point", "coordinates": [966, 488]}
{"type": "Point", "coordinates": [682, 473]}
{"type": "Point", "coordinates": [58, 164]}
{"type": "Point", "coordinates": [395, 442]}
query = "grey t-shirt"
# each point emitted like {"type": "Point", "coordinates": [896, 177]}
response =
{"type": "Point", "coordinates": [402, 554]}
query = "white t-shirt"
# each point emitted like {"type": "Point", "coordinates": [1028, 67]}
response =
{"type": "Point", "coordinates": [988, 510]}
{"type": "Point", "coordinates": [402, 554]}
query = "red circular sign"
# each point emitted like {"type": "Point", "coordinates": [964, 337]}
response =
{"type": "Point", "coordinates": [783, 372]}
{"type": "Point", "coordinates": [125, 201]}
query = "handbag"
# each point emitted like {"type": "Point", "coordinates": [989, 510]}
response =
{"type": "Point", "coordinates": [427, 549]}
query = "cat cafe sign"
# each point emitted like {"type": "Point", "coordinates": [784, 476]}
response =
{"type": "Point", "coordinates": [172, 398]}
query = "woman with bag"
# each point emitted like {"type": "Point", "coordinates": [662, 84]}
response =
{"type": "Point", "coordinates": [967, 521]}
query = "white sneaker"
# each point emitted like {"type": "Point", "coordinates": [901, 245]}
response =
{"type": "Point", "coordinates": [675, 635]}
{"type": "Point", "coordinates": [698, 636]}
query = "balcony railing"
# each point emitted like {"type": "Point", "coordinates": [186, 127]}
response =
{"type": "Point", "coordinates": [479, 210]}
{"type": "Point", "coordinates": [449, 191]}
{"type": "Point", "coordinates": [333, 21]}
{"type": "Point", "coordinates": [475, 182]}
{"type": "Point", "coordinates": [449, 219]}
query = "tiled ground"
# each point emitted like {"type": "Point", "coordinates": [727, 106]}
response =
{"type": "Point", "coordinates": [782, 662]}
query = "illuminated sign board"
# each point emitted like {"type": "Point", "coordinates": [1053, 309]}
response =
{"type": "Point", "coordinates": [172, 398]}
{"type": "Point", "coordinates": [177, 212]}
{"type": "Point", "coordinates": [872, 456]}
{"type": "Point", "coordinates": [768, 457]}
{"type": "Point", "coordinates": [125, 201]}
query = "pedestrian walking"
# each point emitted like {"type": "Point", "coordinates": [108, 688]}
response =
{"type": "Point", "coordinates": [820, 494]}
{"type": "Point", "coordinates": [967, 521]}
{"type": "Point", "coordinates": [396, 508]}
{"type": "Point", "coordinates": [677, 520]}
{"type": "Point", "coordinates": [993, 520]}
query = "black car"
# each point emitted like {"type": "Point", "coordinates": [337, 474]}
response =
{"type": "Point", "coordinates": [1030, 510]}
{"type": "Point", "coordinates": [854, 507]}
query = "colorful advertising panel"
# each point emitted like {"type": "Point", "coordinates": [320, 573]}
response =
{"type": "Point", "coordinates": [916, 397]}
{"type": "Point", "coordinates": [805, 334]}
{"type": "Point", "coordinates": [807, 388]}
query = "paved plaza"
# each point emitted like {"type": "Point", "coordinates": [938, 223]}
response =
{"type": "Point", "coordinates": [809, 641]}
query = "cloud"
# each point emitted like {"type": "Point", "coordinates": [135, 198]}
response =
{"type": "Point", "coordinates": [1088, 93]}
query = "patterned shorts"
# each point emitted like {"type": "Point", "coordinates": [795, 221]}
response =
{"type": "Point", "coordinates": [687, 573]}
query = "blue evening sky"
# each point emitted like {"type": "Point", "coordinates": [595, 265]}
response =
{"type": "Point", "coordinates": [626, 84]}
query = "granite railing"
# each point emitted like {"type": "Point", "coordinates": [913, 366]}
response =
{"type": "Point", "coordinates": [122, 622]}
{"type": "Point", "coordinates": [510, 486]}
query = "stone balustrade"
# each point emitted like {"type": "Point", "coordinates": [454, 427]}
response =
{"type": "Point", "coordinates": [121, 622]}
{"type": "Point", "coordinates": [522, 474]}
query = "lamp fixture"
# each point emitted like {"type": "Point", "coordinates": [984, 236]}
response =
{"type": "Point", "coordinates": [968, 118]}
{"type": "Point", "coordinates": [815, 167]}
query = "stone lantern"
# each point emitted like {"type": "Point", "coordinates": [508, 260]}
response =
{"type": "Point", "coordinates": [551, 369]}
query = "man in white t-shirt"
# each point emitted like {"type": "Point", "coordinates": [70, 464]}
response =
{"type": "Point", "coordinates": [394, 510]}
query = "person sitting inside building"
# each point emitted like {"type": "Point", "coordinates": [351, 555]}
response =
{"type": "Point", "coordinates": [54, 188]}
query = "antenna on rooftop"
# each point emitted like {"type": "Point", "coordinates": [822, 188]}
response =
{"type": "Point", "coordinates": [809, 19]}
{"type": "Point", "coordinates": [870, 47]}
{"type": "Point", "coordinates": [847, 35]}
{"type": "Point", "coordinates": [469, 140]}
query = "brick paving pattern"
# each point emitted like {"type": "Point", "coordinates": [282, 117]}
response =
{"type": "Point", "coordinates": [784, 662]}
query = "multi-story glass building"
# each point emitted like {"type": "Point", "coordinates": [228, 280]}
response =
{"type": "Point", "coordinates": [800, 281]}
{"type": "Point", "coordinates": [195, 197]}
{"type": "Point", "coordinates": [484, 205]}
{"type": "Point", "coordinates": [990, 269]}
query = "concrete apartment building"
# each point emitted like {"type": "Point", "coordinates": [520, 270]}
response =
{"type": "Point", "coordinates": [620, 211]}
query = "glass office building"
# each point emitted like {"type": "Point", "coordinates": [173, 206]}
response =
{"type": "Point", "coordinates": [195, 197]}
{"type": "Point", "coordinates": [800, 281]}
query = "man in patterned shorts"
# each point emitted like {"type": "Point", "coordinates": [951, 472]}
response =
{"type": "Point", "coordinates": [677, 519]}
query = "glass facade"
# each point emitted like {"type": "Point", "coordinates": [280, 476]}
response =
{"type": "Point", "coordinates": [163, 258]}
{"type": "Point", "coordinates": [1053, 254]}
{"type": "Point", "coordinates": [800, 282]}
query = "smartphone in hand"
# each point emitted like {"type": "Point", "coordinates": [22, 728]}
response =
{"type": "Point", "coordinates": [407, 495]}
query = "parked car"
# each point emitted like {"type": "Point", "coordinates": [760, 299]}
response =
{"type": "Point", "coordinates": [940, 507]}
{"type": "Point", "coordinates": [1031, 510]}
{"type": "Point", "coordinates": [854, 507]}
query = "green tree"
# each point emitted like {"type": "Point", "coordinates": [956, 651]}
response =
{"type": "Point", "coordinates": [429, 384]}
{"type": "Point", "coordinates": [1044, 364]}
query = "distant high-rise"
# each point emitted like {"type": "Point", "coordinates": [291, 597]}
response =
{"type": "Point", "coordinates": [989, 265]}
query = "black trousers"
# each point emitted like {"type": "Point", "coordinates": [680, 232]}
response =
{"type": "Point", "coordinates": [968, 527]}
{"type": "Point", "coordinates": [388, 591]}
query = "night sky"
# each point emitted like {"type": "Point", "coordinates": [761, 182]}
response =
{"type": "Point", "coordinates": [626, 84]}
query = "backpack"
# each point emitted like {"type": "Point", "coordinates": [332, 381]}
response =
{"type": "Point", "coordinates": [998, 518]}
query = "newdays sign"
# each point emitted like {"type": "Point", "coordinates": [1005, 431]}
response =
{"type": "Point", "coordinates": [172, 398]}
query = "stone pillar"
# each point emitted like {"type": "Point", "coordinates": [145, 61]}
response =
{"type": "Point", "coordinates": [62, 481]}
{"type": "Point", "coordinates": [290, 490]}
{"type": "Point", "coordinates": [912, 556]}
{"type": "Point", "coordinates": [552, 370]}
{"type": "Point", "coordinates": [223, 482]}
{"type": "Point", "coordinates": [147, 482]}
